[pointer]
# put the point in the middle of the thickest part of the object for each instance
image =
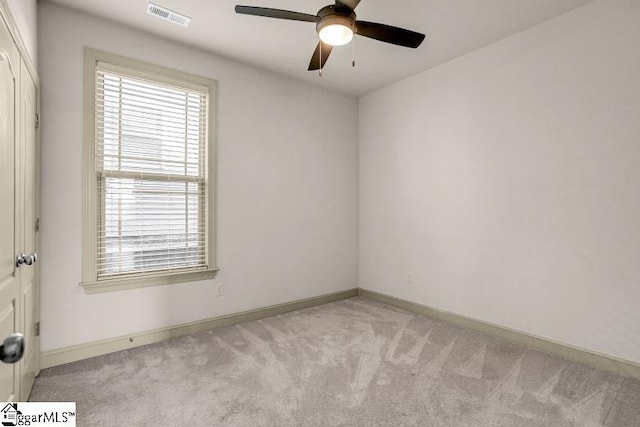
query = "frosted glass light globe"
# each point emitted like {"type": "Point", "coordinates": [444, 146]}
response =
{"type": "Point", "coordinates": [336, 34]}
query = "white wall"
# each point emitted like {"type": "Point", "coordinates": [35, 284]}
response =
{"type": "Point", "coordinates": [287, 188]}
{"type": "Point", "coordinates": [508, 182]}
{"type": "Point", "coordinates": [25, 15]}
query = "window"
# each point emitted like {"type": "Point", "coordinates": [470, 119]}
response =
{"type": "Point", "coordinates": [149, 188]}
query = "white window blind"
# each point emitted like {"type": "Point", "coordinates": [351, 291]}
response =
{"type": "Point", "coordinates": [151, 174]}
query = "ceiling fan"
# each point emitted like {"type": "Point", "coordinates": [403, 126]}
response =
{"type": "Point", "coordinates": [336, 24]}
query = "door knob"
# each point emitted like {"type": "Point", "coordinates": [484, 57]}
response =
{"type": "Point", "coordinates": [19, 260]}
{"type": "Point", "coordinates": [12, 348]}
{"type": "Point", "coordinates": [31, 259]}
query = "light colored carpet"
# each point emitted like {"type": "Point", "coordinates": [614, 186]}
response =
{"type": "Point", "coordinates": [353, 363]}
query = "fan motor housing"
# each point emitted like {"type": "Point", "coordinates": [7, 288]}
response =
{"type": "Point", "coordinates": [336, 20]}
{"type": "Point", "coordinates": [336, 10]}
{"type": "Point", "coordinates": [331, 15]}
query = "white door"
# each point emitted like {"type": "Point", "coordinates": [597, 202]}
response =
{"type": "Point", "coordinates": [9, 209]}
{"type": "Point", "coordinates": [28, 186]}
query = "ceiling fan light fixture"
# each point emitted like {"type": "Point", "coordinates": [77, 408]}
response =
{"type": "Point", "coordinates": [336, 30]}
{"type": "Point", "coordinates": [336, 24]}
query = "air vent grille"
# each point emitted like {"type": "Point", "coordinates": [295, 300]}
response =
{"type": "Point", "coordinates": [168, 15]}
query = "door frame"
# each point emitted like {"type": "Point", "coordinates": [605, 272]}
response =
{"type": "Point", "coordinates": [7, 17]}
{"type": "Point", "coordinates": [5, 13]}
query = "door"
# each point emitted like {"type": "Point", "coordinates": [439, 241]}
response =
{"type": "Point", "coordinates": [9, 209]}
{"type": "Point", "coordinates": [28, 274]}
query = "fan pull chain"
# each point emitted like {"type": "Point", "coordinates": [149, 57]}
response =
{"type": "Point", "coordinates": [320, 70]}
{"type": "Point", "coordinates": [353, 52]}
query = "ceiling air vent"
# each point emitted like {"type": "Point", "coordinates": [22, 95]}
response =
{"type": "Point", "coordinates": [168, 15]}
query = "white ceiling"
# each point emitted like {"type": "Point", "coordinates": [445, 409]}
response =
{"type": "Point", "coordinates": [453, 28]}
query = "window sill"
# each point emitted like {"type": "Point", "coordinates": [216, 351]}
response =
{"type": "Point", "coordinates": [143, 281]}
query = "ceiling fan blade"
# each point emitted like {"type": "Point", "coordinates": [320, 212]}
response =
{"type": "Point", "coordinates": [351, 4]}
{"type": "Point", "coordinates": [389, 34]}
{"type": "Point", "coordinates": [275, 13]}
{"type": "Point", "coordinates": [315, 59]}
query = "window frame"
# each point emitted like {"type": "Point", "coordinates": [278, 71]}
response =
{"type": "Point", "coordinates": [135, 68]}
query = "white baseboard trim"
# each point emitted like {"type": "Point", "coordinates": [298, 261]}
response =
{"type": "Point", "coordinates": [576, 354]}
{"type": "Point", "coordinates": [74, 353]}
{"type": "Point", "coordinates": [66, 355]}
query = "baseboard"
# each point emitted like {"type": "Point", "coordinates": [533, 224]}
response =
{"type": "Point", "coordinates": [597, 360]}
{"type": "Point", "coordinates": [576, 354]}
{"type": "Point", "coordinates": [62, 356]}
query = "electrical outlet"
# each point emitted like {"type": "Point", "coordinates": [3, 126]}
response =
{"type": "Point", "coordinates": [409, 278]}
{"type": "Point", "coordinates": [220, 289]}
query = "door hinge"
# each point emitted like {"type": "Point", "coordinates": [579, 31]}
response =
{"type": "Point", "coordinates": [37, 227]}
{"type": "Point", "coordinates": [37, 331]}
{"type": "Point", "coordinates": [37, 121]}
